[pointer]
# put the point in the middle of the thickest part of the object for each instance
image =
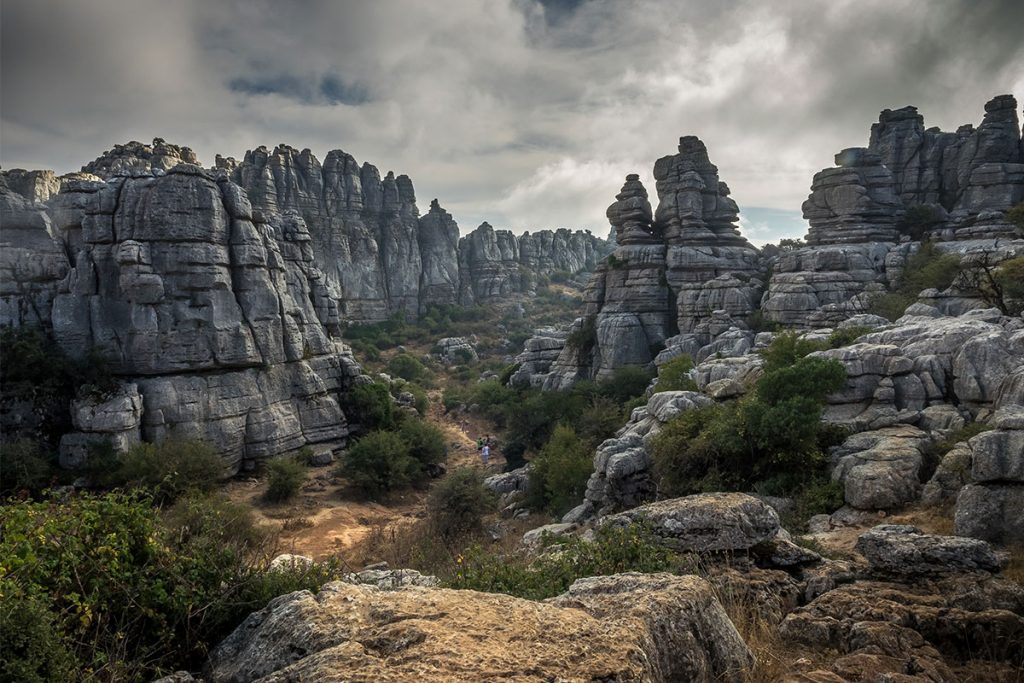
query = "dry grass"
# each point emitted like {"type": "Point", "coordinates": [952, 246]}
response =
{"type": "Point", "coordinates": [773, 656]}
{"type": "Point", "coordinates": [1015, 569]}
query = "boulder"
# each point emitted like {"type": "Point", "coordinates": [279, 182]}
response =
{"type": "Point", "coordinates": [895, 549]}
{"type": "Point", "coordinates": [706, 522]}
{"type": "Point", "coordinates": [879, 470]}
{"type": "Point", "coordinates": [624, 628]}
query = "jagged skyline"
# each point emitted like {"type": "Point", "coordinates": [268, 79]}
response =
{"type": "Point", "coordinates": [524, 114]}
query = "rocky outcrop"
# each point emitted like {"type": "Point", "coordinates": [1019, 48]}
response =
{"type": "Point", "coordinates": [880, 469]}
{"type": "Point", "coordinates": [627, 627]}
{"type": "Point", "coordinates": [706, 522]}
{"type": "Point", "coordinates": [221, 320]}
{"type": "Point", "coordinates": [990, 468]}
{"type": "Point", "coordinates": [904, 550]}
{"type": "Point", "coordinates": [908, 183]}
{"type": "Point", "coordinates": [136, 158]}
{"type": "Point", "coordinates": [115, 419]}
{"type": "Point", "coordinates": [622, 476]}
{"type": "Point", "coordinates": [671, 270]}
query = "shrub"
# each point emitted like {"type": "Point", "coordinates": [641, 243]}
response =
{"type": "Point", "coordinates": [507, 372]}
{"type": "Point", "coordinates": [626, 383]}
{"type": "Point", "coordinates": [408, 368]}
{"type": "Point", "coordinates": [599, 421]}
{"type": "Point", "coordinates": [928, 268]}
{"type": "Point", "coordinates": [458, 502]}
{"type": "Point", "coordinates": [775, 427]}
{"type": "Point", "coordinates": [380, 462]}
{"type": "Point", "coordinates": [583, 339]}
{"type": "Point", "coordinates": [35, 369]}
{"type": "Point", "coordinates": [616, 263]}
{"type": "Point", "coordinates": [371, 407]}
{"type": "Point", "coordinates": [110, 589]}
{"type": "Point", "coordinates": [560, 471]}
{"type": "Point", "coordinates": [787, 348]}
{"type": "Point", "coordinates": [424, 441]}
{"type": "Point", "coordinates": [23, 467]}
{"type": "Point", "coordinates": [918, 220]}
{"type": "Point", "coordinates": [168, 469]}
{"type": "Point", "coordinates": [284, 478]}
{"type": "Point", "coordinates": [1016, 215]}
{"type": "Point", "coordinates": [31, 647]}
{"type": "Point", "coordinates": [613, 551]}
{"type": "Point", "coordinates": [675, 375]}
{"type": "Point", "coordinates": [846, 336]}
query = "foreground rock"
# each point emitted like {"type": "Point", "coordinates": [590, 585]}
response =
{"type": "Point", "coordinates": [620, 628]}
{"type": "Point", "coordinates": [706, 522]}
{"type": "Point", "coordinates": [906, 550]}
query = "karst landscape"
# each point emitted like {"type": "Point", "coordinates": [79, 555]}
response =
{"type": "Point", "coordinates": [264, 419]}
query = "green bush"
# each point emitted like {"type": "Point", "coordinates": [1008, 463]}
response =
{"type": "Point", "coordinates": [370, 406]}
{"type": "Point", "coordinates": [613, 551]}
{"type": "Point", "coordinates": [787, 348]}
{"type": "Point", "coordinates": [425, 442]}
{"type": "Point", "coordinates": [31, 647]}
{"type": "Point", "coordinates": [408, 368]}
{"type": "Point", "coordinates": [675, 375]}
{"type": "Point", "coordinates": [380, 462]}
{"type": "Point", "coordinates": [918, 220]}
{"type": "Point", "coordinates": [928, 268]}
{"type": "Point", "coordinates": [457, 504]}
{"type": "Point", "coordinates": [23, 467]}
{"type": "Point", "coordinates": [507, 372]}
{"type": "Point", "coordinates": [284, 479]}
{"type": "Point", "coordinates": [35, 369]}
{"type": "Point", "coordinates": [776, 427]}
{"type": "Point", "coordinates": [626, 383]}
{"type": "Point", "coordinates": [1016, 215]}
{"type": "Point", "coordinates": [846, 336]}
{"type": "Point", "coordinates": [583, 339]}
{"type": "Point", "coordinates": [560, 471]}
{"type": "Point", "coordinates": [168, 469]}
{"type": "Point", "coordinates": [111, 589]}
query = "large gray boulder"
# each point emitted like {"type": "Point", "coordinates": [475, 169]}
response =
{"type": "Point", "coordinates": [706, 522]}
{"type": "Point", "coordinates": [627, 627]}
{"type": "Point", "coordinates": [906, 550]}
{"type": "Point", "coordinates": [880, 470]}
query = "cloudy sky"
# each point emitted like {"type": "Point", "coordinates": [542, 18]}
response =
{"type": "Point", "coordinates": [524, 113]}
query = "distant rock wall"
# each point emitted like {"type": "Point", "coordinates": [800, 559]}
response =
{"type": "Point", "coordinates": [218, 295]}
{"type": "Point", "coordinates": [859, 212]}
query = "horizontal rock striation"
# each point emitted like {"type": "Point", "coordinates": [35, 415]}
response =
{"type": "Point", "coordinates": [907, 184]}
{"type": "Point", "coordinates": [673, 268]}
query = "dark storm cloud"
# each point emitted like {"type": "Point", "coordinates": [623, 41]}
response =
{"type": "Point", "coordinates": [524, 113]}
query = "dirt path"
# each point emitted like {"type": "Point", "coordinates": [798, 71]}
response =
{"type": "Point", "coordinates": [325, 520]}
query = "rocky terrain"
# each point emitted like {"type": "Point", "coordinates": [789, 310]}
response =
{"type": "Point", "coordinates": [218, 295]}
{"type": "Point", "coordinates": [682, 272]}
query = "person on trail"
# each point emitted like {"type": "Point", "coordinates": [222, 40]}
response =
{"type": "Point", "coordinates": [485, 454]}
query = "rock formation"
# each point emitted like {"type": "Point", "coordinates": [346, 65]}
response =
{"type": "Point", "coordinates": [218, 296]}
{"type": "Point", "coordinates": [860, 212]}
{"type": "Point", "coordinates": [671, 270]}
{"type": "Point", "coordinates": [626, 627]}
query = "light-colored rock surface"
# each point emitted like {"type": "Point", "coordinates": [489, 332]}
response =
{"type": "Point", "coordinates": [613, 628]}
{"type": "Point", "coordinates": [906, 550]}
{"type": "Point", "coordinates": [706, 522]}
{"type": "Point", "coordinates": [880, 470]}
{"type": "Point", "coordinates": [622, 476]}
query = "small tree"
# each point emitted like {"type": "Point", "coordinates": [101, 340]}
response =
{"type": "Point", "coordinates": [380, 462]}
{"type": "Point", "coordinates": [284, 478]}
{"type": "Point", "coordinates": [458, 503]}
{"type": "Point", "coordinates": [560, 471]}
{"type": "Point", "coordinates": [999, 284]}
{"type": "Point", "coordinates": [675, 375]}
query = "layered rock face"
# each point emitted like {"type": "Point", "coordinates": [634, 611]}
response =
{"type": "Point", "coordinates": [218, 295]}
{"type": "Point", "coordinates": [860, 211]}
{"type": "Point", "coordinates": [672, 269]}
{"type": "Point", "coordinates": [380, 255]}
{"type": "Point", "coordinates": [221, 320]}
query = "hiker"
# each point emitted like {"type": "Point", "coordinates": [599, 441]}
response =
{"type": "Point", "coordinates": [485, 453]}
